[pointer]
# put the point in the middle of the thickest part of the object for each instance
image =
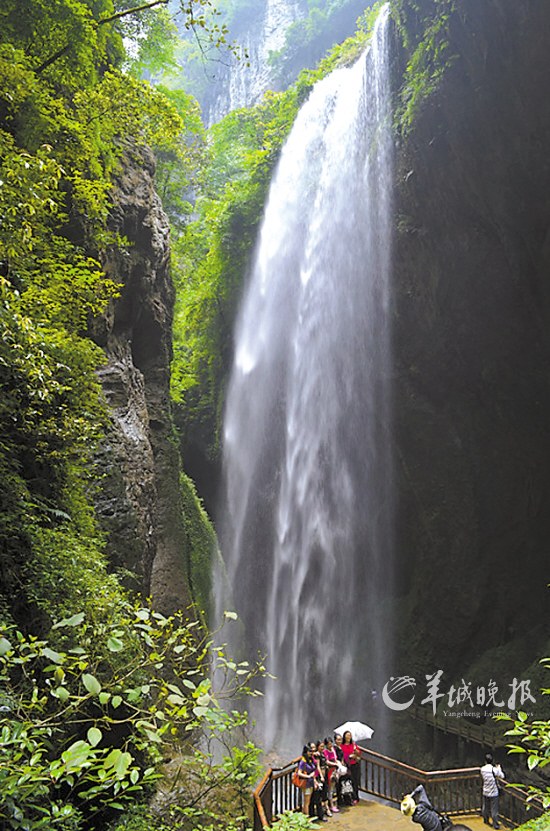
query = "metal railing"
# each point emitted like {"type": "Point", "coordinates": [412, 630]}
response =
{"type": "Point", "coordinates": [455, 792]}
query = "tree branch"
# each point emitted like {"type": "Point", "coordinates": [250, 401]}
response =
{"type": "Point", "coordinates": [63, 51]}
{"type": "Point", "coordinates": [53, 58]}
{"type": "Point", "coordinates": [136, 9]}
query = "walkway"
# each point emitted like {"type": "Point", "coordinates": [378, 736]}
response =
{"type": "Point", "coordinates": [490, 734]}
{"type": "Point", "coordinates": [371, 816]}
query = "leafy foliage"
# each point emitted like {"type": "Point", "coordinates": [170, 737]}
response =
{"type": "Point", "coordinates": [179, 166]}
{"type": "Point", "coordinates": [88, 714]}
{"type": "Point", "coordinates": [424, 26]}
{"type": "Point", "coordinates": [65, 122]}
{"type": "Point", "coordinates": [294, 821]}
{"type": "Point", "coordinates": [531, 740]}
{"type": "Point", "coordinates": [61, 38]}
{"type": "Point", "coordinates": [309, 37]}
{"type": "Point", "coordinates": [539, 824]}
{"type": "Point", "coordinates": [212, 254]}
{"type": "Point", "coordinates": [197, 794]}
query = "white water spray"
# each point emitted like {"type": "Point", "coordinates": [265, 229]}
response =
{"type": "Point", "coordinates": [307, 537]}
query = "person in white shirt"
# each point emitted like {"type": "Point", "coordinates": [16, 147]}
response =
{"type": "Point", "coordinates": [490, 774]}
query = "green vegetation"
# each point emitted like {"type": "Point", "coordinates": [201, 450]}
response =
{"type": "Point", "coordinates": [294, 821]}
{"type": "Point", "coordinates": [93, 705]}
{"type": "Point", "coordinates": [309, 38]}
{"type": "Point", "coordinates": [89, 714]}
{"type": "Point", "coordinates": [212, 253]}
{"type": "Point", "coordinates": [424, 28]}
{"type": "Point", "coordinates": [67, 116]}
{"type": "Point", "coordinates": [203, 545]}
{"type": "Point", "coordinates": [540, 824]}
{"type": "Point", "coordinates": [531, 739]}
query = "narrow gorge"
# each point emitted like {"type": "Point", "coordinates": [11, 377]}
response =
{"type": "Point", "coordinates": [466, 384]}
{"type": "Point", "coordinates": [275, 388]}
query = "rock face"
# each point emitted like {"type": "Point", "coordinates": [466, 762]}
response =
{"type": "Point", "coordinates": [138, 501]}
{"type": "Point", "coordinates": [245, 81]}
{"type": "Point", "coordinates": [472, 391]}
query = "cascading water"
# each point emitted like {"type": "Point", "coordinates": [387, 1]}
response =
{"type": "Point", "coordinates": [307, 537]}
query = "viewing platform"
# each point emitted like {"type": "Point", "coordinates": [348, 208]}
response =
{"type": "Point", "coordinates": [376, 817]}
{"type": "Point", "coordinates": [383, 783]}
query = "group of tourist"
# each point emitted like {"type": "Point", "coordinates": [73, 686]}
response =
{"type": "Point", "coordinates": [328, 774]}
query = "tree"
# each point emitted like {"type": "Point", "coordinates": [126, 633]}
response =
{"type": "Point", "coordinates": [71, 41]}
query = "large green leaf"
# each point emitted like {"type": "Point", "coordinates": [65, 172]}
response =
{"type": "Point", "coordinates": [75, 620]}
{"type": "Point", "coordinates": [91, 683]}
{"type": "Point", "coordinates": [5, 646]}
{"type": "Point", "coordinates": [51, 655]}
{"type": "Point", "coordinates": [94, 736]}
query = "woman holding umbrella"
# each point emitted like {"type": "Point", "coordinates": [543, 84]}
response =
{"type": "Point", "coordinates": [352, 756]}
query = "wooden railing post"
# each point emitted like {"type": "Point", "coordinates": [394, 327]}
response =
{"type": "Point", "coordinates": [262, 800]}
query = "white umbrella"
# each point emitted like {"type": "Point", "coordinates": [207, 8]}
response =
{"type": "Point", "coordinates": [358, 730]}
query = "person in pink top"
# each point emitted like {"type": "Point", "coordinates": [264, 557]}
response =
{"type": "Point", "coordinates": [352, 756]}
{"type": "Point", "coordinates": [332, 764]}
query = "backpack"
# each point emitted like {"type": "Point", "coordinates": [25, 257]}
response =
{"type": "Point", "coordinates": [346, 791]}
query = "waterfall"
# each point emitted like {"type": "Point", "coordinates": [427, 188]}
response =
{"type": "Point", "coordinates": [307, 537]}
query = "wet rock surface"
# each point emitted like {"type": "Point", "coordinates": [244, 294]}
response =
{"type": "Point", "coordinates": [472, 392]}
{"type": "Point", "coordinates": [138, 501]}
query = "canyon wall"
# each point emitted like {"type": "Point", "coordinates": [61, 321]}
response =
{"type": "Point", "coordinates": [471, 384]}
{"type": "Point", "coordinates": [138, 502]}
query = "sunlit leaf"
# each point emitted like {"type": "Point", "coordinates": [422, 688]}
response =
{"type": "Point", "coordinates": [5, 646]}
{"type": "Point", "coordinates": [75, 620]}
{"type": "Point", "coordinates": [91, 683]}
{"type": "Point", "coordinates": [94, 736]}
{"type": "Point", "coordinates": [51, 655]}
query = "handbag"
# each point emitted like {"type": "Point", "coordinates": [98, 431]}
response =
{"type": "Point", "coordinates": [298, 781]}
{"type": "Point", "coordinates": [500, 788]}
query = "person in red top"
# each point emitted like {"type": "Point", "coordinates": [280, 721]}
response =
{"type": "Point", "coordinates": [352, 755]}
